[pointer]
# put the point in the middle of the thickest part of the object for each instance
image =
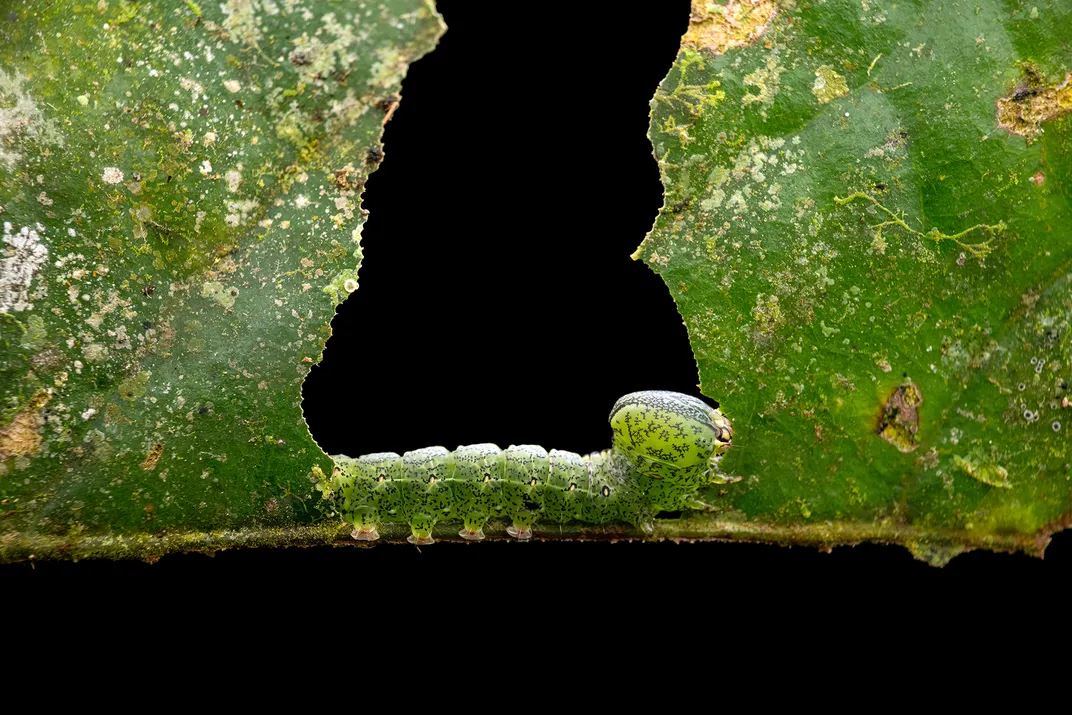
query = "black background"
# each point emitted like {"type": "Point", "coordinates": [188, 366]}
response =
{"type": "Point", "coordinates": [498, 303]}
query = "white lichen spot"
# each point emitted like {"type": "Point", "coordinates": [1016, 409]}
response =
{"type": "Point", "coordinates": [112, 175]}
{"type": "Point", "coordinates": [737, 203]}
{"type": "Point", "coordinates": [195, 88]}
{"type": "Point", "coordinates": [710, 204]}
{"type": "Point", "coordinates": [206, 167]}
{"type": "Point", "coordinates": [878, 243]}
{"type": "Point", "coordinates": [317, 58]}
{"type": "Point", "coordinates": [767, 80]}
{"type": "Point", "coordinates": [241, 21]}
{"type": "Point", "coordinates": [220, 293]}
{"type": "Point", "coordinates": [350, 285]}
{"type": "Point", "coordinates": [239, 211]}
{"type": "Point", "coordinates": [141, 214]}
{"type": "Point", "coordinates": [232, 85]}
{"type": "Point", "coordinates": [21, 119]}
{"type": "Point", "coordinates": [24, 253]}
{"type": "Point", "coordinates": [233, 178]}
{"type": "Point", "coordinates": [209, 139]}
{"type": "Point", "coordinates": [94, 352]}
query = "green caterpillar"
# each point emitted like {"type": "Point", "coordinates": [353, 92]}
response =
{"type": "Point", "coordinates": [666, 446]}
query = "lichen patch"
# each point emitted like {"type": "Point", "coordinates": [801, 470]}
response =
{"type": "Point", "coordinates": [22, 436]}
{"type": "Point", "coordinates": [21, 119]}
{"type": "Point", "coordinates": [23, 253]}
{"type": "Point", "coordinates": [767, 80]}
{"type": "Point", "coordinates": [899, 421]}
{"type": "Point", "coordinates": [828, 85]}
{"type": "Point", "coordinates": [1033, 102]}
{"type": "Point", "coordinates": [718, 28]}
{"type": "Point", "coordinates": [220, 293]}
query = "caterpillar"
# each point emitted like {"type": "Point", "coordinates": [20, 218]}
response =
{"type": "Point", "coordinates": [665, 447]}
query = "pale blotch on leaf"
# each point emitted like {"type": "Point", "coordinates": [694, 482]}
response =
{"type": "Point", "coordinates": [768, 317]}
{"type": "Point", "coordinates": [829, 85]}
{"type": "Point", "coordinates": [718, 28]}
{"type": "Point", "coordinates": [986, 472]}
{"type": "Point", "coordinates": [134, 386]}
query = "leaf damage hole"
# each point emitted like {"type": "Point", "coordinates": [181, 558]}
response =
{"type": "Point", "coordinates": [899, 421]}
{"type": "Point", "coordinates": [1032, 102]}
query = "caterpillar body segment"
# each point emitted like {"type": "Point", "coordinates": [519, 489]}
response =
{"type": "Point", "coordinates": [477, 487]}
{"type": "Point", "coordinates": [666, 446]}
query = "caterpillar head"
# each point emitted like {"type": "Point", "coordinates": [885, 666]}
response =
{"type": "Point", "coordinates": [668, 435]}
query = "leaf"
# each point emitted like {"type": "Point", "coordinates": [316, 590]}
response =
{"type": "Point", "coordinates": [180, 194]}
{"type": "Point", "coordinates": [866, 231]}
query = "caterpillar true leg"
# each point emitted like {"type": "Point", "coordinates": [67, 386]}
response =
{"type": "Point", "coordinates": [666, 449]}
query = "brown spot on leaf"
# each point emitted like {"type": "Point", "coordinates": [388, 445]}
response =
{"type": "Point", "coordinates": [152, 457]}
{"type": "Point", "coordinates": [899, 420]}
{"type": "Point", "coordinates": [388, 105]}
{"type": "Point", "coordinates": [1033, 102]}
{"type": "Point", "coordinates": [717, 28]}
{"type": "Point", "coordinates": [22, 436]}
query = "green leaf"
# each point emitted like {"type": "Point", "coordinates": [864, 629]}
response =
{"type": "Point", "coordinates": [180, 196]}
{"type": "Point", "coordinates": [867, 232]}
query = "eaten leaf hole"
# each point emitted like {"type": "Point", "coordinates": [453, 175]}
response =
{"type": "Point", "coordinates": [898, 422]}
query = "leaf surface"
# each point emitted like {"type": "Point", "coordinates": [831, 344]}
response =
{"type": "Point", "coordinates": [866, 229]}
{"type": "Point", "coordinates": [180, 193]}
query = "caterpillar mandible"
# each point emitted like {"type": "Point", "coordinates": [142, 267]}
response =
{"type": "Point", "coordinates": [665, 447]}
